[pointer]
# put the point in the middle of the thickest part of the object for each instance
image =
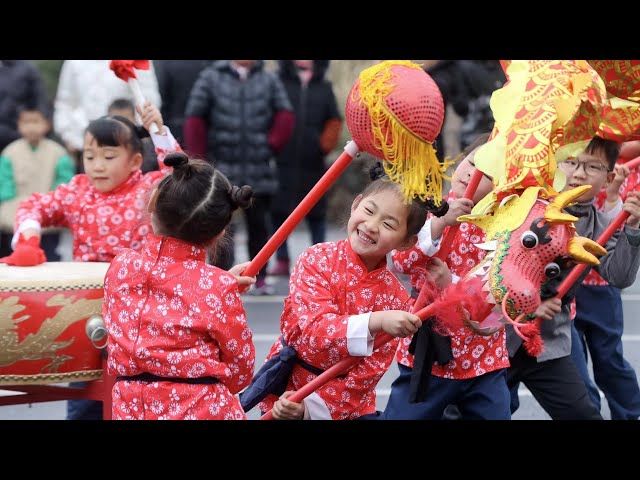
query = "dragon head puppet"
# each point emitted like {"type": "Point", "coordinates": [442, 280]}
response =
{"type": "Point", "coordinates": [529, 240]}
{"type": "Point", "coordinates": [547, 111]}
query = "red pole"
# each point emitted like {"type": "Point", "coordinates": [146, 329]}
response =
{"type": "Point", "coordinates": [472, 186]}
{"type": "Point", "coordinates": [343, 365]}
{"type": "Point", "coordinates": [615, 224]}
{"type": "Point", "coordinates": [631, 164]}
{"type": "Point", "coordinates": [307, 203]}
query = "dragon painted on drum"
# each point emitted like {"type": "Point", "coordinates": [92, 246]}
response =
{"type": "Point", "coordinates": [547, 112]}
{"type": "Point", "coordinates": [42, 344]}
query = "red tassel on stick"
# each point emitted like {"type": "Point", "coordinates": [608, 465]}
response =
{"type": "Point", "coordinates": [533, 344]}
{"type": "Point", "coordinates": [126, 69]}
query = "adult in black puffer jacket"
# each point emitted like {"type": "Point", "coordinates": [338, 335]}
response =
{"type": "Point", "coordinates": [175, 81]}
{"type": "Point", "coordinates": [239, 117]}
{"type": "Point", "coordinates": [466, 85]}
{"type": "Point", "coordinates": [317, 127]}
{"type": "Point", "coordinates": [20, 84]}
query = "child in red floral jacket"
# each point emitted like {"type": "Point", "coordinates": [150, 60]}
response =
{"type": "Point", "coordinates": [178, 337]}
{"type": "Point", "coordinates": [104, 207]}
{"type": "Point", "coordinates": [463, 368]}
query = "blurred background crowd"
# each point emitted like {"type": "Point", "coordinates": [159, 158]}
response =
{"type": "Point", "coordinates": [297, 104]}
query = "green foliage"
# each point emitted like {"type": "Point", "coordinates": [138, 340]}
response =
{"type": "Point", "coordinates": [50, 70]}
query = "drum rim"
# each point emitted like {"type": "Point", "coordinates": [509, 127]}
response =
{"type": "Point", "coordinates": [50, 377]}
{"type": "Point", "coordinates": [48, 288]}
{"type": "Point", "coordinates": [90, 281]}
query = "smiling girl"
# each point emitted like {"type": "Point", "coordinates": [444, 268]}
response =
{"type": "Point", "coordinates": [341, 294]}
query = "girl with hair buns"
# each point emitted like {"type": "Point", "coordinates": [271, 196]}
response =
{"type": "Point", "coordinates": [178, 342]}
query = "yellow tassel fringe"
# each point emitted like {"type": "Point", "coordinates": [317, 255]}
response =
{"type": "Point", "coordinates": [409, 160]}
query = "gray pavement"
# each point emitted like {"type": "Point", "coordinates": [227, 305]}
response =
{"type": "Point", "coordinates": [263, 314]}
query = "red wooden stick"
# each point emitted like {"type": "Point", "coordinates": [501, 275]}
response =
{"type": "Point", "coordinates": [615, 224]}
{"type": "Point", "coordinates": [307, 203]}
{"type": "Point", "coordinates": [344, 365]}
{"type": "Point", "coordinates": [631, 164]}
{"type": "Point", "coordinates": [447, 241]}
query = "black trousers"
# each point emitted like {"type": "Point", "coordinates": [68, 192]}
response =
{"type": "Point", "coordinates": [258, 222]}
{"type": "Point", "coordinates": [556, 385]}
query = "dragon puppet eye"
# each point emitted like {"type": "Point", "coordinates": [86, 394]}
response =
{"type": "Point", "coordinates": [552, 270]}
{"type": "Point", "coordinates": [529, 239]}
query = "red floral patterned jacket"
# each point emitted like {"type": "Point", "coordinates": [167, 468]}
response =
{"type": "Point", "coordinates": [170, 314]}
{"type": "Point", "coordinates": [325, 319]}
{"type": "Point", "coordinates": [102, 224]}
{"type": "Point", "coordinates": [473, 355]}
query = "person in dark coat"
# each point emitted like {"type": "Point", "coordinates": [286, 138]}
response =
{"type": "Point", "coordinates": [466, 85]}
{"type": "Point", "coordinates": [239, 117]}
{"type": "Point", "coordinates": [20, 84]}
{"type": "Point", "coordinates": [316, 132]}
{"type": "Point", "coordinates": [175, 81]}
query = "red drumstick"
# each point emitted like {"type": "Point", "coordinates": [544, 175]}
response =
{"type": "Point", "coordinates": [447, 241]}
{"type": "Point", "coordinates": [615, 224]}
{"type": "Point", "coordinates": [125, 70]}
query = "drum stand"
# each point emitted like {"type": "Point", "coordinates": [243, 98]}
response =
{"type": "Point", "coordinates": [94, 390]}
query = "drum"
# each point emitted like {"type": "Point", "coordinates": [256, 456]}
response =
{"type": "Point", "coordinates": [43, 314]}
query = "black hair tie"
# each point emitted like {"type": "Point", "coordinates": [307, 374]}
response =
{"type": "Point", "coordinates": [376, 171]}
{"type": "Point", "coordinates": [176, 159]}
{"type": "Point", "coordinates": [438, 211]}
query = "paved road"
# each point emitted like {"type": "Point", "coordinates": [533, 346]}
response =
{"type": "Point", "coordinates": [263, 314]}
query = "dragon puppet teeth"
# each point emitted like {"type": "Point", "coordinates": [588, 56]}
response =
{"type": "Point", "coordinates": [490, 299]}
{"type": "Point", "coordinates": [490, 246]}
{"type": "Point", "coordinates": [478, 271]}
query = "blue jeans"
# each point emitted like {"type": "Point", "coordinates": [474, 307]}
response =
{"type": "Point", "coordinates": [599, 325]}
{"type": "Point", "coordinates": [83, 409]}
{"type": "Point", "coordinates": [480, 398]}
